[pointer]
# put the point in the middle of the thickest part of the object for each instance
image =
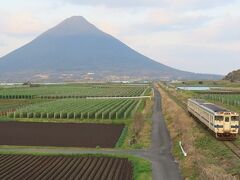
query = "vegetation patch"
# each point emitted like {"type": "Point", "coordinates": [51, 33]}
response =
{"type": "Point", "coordinates": [80, 109]}
{"type": "Point", "coordinates": [122, 137]}
{"type": "Point", "coordinates": [73, 91]}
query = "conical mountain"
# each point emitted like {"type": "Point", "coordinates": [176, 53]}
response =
{"type": "Point", "coordinates": [77, 46]}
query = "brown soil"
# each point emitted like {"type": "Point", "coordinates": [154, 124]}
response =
{"type": "Point", "coordinates": [59, 134]}
{"type": "Point", "coordinates": [29, 167]}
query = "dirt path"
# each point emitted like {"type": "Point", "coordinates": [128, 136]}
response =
{"type": "Point", "coordinates": [163, 165]}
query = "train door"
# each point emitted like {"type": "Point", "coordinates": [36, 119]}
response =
{"type": "Point", "coordinates": [227, 124]}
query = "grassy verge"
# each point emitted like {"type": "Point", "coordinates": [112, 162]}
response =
{"type": "Point", "coordinates": [145, 137]}
{"type": "Point", "coordinates": [207, 157]}
{"type": "Point", "coordinates": [122, 137]}
{"type": "Point", "coordinates": [45, 120]}
{"type": "Point", "coordinates": [144, 140]}
{"type": "Point", "coordinates": [141, 168]}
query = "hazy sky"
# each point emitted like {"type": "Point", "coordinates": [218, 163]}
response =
{"type": "Point", "coordinates": [192, 35]}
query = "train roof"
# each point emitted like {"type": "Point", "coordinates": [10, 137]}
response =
{"type": "Point", "coordinates": [210, 106]}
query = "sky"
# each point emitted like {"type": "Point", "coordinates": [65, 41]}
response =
{"type": "Point", "coordinates": [192, 35]}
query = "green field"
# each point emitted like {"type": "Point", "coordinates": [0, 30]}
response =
{"type": "Point", "coordinates": [219, 83]}
{"type": "Point", "coordinates": [73, 91]}
{"type": "Point", "coordinates": [80, 109]}
{"type": "Point", "coordinates": [8, 105]}
{"type": "Point", "coordinates": [225, 99]}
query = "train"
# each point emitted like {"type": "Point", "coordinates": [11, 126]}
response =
{"type": "Point", "coordinates": [222, 122]}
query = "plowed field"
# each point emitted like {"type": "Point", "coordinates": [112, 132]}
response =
{"type": "Point", "coordinates": [59, 134]}
{"type": "Point", "coordinates": [18, 167]}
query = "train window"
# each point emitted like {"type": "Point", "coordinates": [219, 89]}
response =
{"type": "Point", "coordinates": [226, 119]}
{"type": "Point", "coordinates": [234, 118]}
{"type": "Point", "coordinates": [218, 118]}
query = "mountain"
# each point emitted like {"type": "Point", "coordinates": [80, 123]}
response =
{"type": "Point", "coordinates": [233, 76]}
{"type": "Point", "coordinates": [76, 48]}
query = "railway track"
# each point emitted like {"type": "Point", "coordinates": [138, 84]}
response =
{"type": "Point", "coordinates": [233, 147]}
{"type": "Point", "coordinates": [229, 144]}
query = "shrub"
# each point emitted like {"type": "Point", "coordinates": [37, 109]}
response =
{"type": "Point", "coordinates": [138, 123]}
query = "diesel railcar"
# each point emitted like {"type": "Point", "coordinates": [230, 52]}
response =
{"type": "Point", "coordinates": [222, 122]}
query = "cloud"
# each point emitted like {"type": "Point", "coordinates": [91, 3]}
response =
{"type": "Point", "coordinates": [221, 33]}
{"type": "Point", "coordinates": [2, 44]}
{"type": "Point", "coordinates": [162, 20]}
{"type": "Point", "coordinates": [20, 24]}
{"type": "Point", "coordinates": [194, 4]}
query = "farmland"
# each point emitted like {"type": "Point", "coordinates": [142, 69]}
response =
{"type": "Point", "coordinates": [60, 134]}
{"type": "Point", "coordinates": [227, 99]}
{"type": "Point", "coordinates": [80, 109]}
{"type": "Point", "coordinates": [10, 105]}
{"type": "Point", "coordinates": [73, 91]}
{"type": "Point", "coordinates": [74, 117]}
{"type": "Point", "coordinates": [58, 167]}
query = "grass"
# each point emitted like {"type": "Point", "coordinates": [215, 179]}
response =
{"type": "Point", "coordinates": [100, 121]}
{"type": "Point", "coordinates": [144, 140]}
{"type": "Point", "coordinates": [141, 168]}
{"type": "Point", "coordinates": [122, 137]}
{"type": "Point", "coordinates": [212, 148]}
{"type": "Point", "coordinates": [145, 137]}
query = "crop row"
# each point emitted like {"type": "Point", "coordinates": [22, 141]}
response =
{"type": "Point", "coordinates": [79, 109]}
{"type": "Point", "coordinates": [32, 167]}
{"type": "Point", "coordinates": [73, 91]}
{"type": "Point", "coordinates": [233, 100]}
{"type": "Point", "coordinates": [10, 105]}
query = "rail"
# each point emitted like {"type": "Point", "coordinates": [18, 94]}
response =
{"type": "Point", "coordinates": [233, 147]}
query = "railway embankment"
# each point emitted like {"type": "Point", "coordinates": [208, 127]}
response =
{"type": "Point", "coordinates": [207, 158]}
